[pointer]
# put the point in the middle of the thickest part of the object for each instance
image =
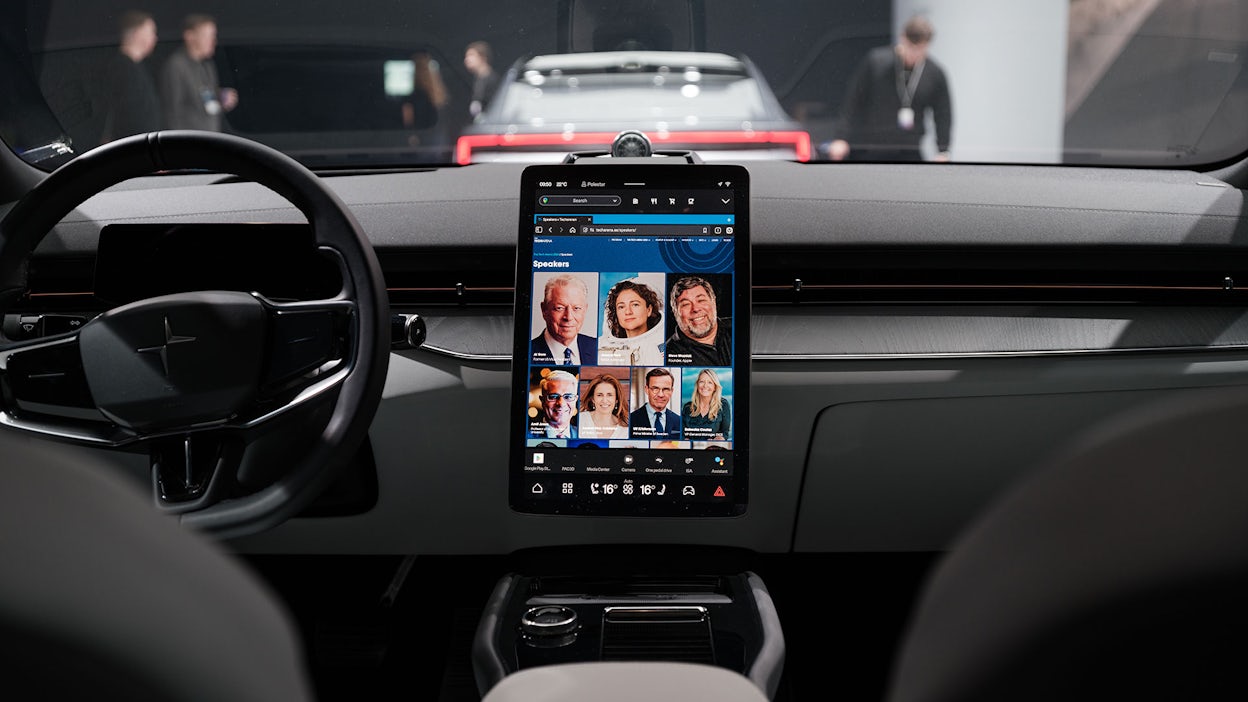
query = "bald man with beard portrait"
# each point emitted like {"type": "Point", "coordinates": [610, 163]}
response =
{"type": "Point", "coordinates": [702, 337]}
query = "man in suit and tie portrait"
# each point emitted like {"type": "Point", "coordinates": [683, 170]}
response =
{"type": "Point", "coordinates": [654, 420]}
{"type": "Point", "coordinates": [565, 302]}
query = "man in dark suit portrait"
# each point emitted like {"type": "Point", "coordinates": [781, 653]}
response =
{"type": "Point", "coordinates": [654, 420]}
{"type": "Point", "coordinates": [565, 302]}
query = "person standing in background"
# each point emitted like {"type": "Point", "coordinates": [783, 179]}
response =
{"type": "Point", "coordinates": [191, 95]}
{"type": "Point", "coordinates": [886, 104]}
{"type": "Point", "coordinates": [131, 104]}
{"type": "Point", "coordinates": [479, 60]}
{"type": "Point", "coordinates": [426, 115]}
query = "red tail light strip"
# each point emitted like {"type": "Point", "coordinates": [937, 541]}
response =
{"type": "Point", "coordinates": [800, 141]}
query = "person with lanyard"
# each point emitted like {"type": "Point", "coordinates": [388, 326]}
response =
{"type": "Point", "coordinates": [889, 96]}
{"type": "Point", "coordinates": [192, 97]}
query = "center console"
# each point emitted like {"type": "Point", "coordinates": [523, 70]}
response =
{"type": "Point", "coordinates": [720, 619]}
{"type": "Point", "coordinates": [630, 399]}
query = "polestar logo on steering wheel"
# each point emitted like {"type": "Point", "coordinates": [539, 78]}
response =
{"type": "Point", "coordinates": [163, 349]}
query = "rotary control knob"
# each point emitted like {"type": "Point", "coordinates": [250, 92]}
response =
{"type": "Point", "coordinates": [549, 626]}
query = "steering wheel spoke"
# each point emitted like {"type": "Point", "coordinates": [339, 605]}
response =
{"type": "Point", "coordinates": [306, 343]}
{"type": "Point", "coordinates": [45, 390]}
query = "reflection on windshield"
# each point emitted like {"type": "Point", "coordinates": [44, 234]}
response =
{"type": "Point", "coordinates": [372, 82]}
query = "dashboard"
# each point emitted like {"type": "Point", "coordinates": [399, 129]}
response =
{"type": "Point", "coordinates": [921, 338]}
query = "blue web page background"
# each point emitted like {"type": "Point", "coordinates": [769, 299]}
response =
{"type": "Point", "coordinates": [666, 253]}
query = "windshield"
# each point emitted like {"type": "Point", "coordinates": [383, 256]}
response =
{"type": "Point", "coordinates": [384, 83]}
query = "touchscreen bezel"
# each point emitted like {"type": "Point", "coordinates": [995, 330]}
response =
{"type": "Point", "coordinates": [724, 180]}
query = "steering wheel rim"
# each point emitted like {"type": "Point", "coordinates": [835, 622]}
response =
{"type": "Point", "coordinates": [359, 392]}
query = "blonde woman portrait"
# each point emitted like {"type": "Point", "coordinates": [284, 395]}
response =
{"type": "Point", "coordinates": [707, 414]}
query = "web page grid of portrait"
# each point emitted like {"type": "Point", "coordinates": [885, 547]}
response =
{"type": "Point", "coordinates": [631, 329]}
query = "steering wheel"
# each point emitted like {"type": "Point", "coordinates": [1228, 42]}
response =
{"type": "Point", "coordinates": [248, 406]}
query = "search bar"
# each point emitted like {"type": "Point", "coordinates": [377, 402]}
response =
{"type": "Point", "coordinates": [579, 200]}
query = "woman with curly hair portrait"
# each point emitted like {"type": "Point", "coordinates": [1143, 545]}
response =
{"type": "Point", "coordinates": [633, 317]}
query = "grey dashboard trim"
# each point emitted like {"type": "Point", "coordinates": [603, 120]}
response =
{"type": "Point", "coordinates": [900, 356]}
{"type": "Point", "coordinates": [864, 332]}
{"type": "Point", "coordinates": [990, 354]}
{"type": "Point", "coordinates": [793, 204]}
{"type": "Point", "coordinates": [464, 356]}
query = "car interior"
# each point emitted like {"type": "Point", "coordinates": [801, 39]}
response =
{"type": "Point", "coordinates": [278, 427]}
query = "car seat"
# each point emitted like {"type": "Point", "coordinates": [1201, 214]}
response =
{"type": "Point", "coordinates": [1118, 572]}
{"type": "Point", "coordinates": [102, 597]}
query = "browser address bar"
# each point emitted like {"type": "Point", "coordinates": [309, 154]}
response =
{"type": "Point", "coordinates": [579, 200]}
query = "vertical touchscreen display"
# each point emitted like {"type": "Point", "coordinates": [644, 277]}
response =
{"type": "Point", "coordinates": [631, 365]}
